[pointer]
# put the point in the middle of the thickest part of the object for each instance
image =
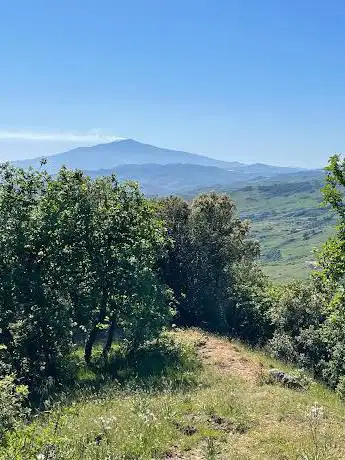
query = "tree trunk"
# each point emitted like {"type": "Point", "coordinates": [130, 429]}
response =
{"type": "Point", "coordinates": [93, 334]}
{"type": "Point", "coordinates": [89, 344]}
{"type": "Point", "coordinates": [110, 338]}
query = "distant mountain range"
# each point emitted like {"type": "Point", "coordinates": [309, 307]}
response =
{"type": "Point", "coordinates": [158, 170]}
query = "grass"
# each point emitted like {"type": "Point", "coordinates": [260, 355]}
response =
{"type": "Point", "coordinates": [289, 226]}
{"type": "Point", "coordinates": [222, 410]}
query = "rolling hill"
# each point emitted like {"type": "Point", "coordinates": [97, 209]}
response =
{"type": "Point", "coordinates": [157, 179]}
{"type": "Point", "coordinates": [287, 218]}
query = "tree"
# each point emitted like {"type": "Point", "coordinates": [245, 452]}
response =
{"type": "Point", "coordinates": [34, 314]}
{"type": "Point", "coordinates": [210, 252]}
{"type": "Point", "coordinates": [75, 254]}
{"type": "Point", "coordinates": [127, 239]}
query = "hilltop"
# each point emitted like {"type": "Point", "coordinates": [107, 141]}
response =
{"type": "Point", "coordinates": [217, 403]}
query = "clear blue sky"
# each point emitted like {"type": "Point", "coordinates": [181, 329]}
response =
{"type": "Point", "coordinates": [248, 80]}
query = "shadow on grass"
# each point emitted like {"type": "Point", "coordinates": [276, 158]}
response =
{"type": "Point", "coordinates": [163, 365]}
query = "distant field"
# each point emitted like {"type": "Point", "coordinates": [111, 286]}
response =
{"type": "Point", "coordinates": [289, 221]}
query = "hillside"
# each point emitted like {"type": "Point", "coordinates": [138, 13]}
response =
{"type": "Point", "coordinates": [288, 220]}
{"type": "Point", "coordinates": [162, 180]}
{"type": "Point", "coordinates": [225, 409]}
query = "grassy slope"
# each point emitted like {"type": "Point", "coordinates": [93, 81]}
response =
{"type": "Point", "coordinates": [226, 413]}
{"type": "Point", "coordinates": [287, 219]}
{"type": "Point", "coordinates": [295, 224]}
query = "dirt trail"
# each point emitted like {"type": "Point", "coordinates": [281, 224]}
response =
{"type": "Point", "coordinates": [226, 356]}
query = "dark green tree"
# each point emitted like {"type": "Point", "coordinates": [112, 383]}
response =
{"type": "Point", "coordinates": [75, 254]}
{"type": "Point", "coordinates": [210, 257]}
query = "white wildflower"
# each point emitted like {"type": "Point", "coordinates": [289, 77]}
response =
{"type": "Point", "coordinates": [316, 411]}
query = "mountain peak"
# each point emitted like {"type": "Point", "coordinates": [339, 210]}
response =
{"type": "Point", "coordinates": [130, 151]}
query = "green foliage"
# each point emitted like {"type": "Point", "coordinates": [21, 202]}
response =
{"type": "Point", "coordinates": [247, 312]}
{"type": "Point", "coordinates": [297, 314]}
{"type": "Point", "coordinates": [340, 388]}
{"type": "Point", "coordinates": [310, 318]}
{"type": "Point", "coordinates": [75, 255]}
{"type": "Point", "coordinates": [211, 266]}
{"type": "Point", "coordinates": [12, 400]}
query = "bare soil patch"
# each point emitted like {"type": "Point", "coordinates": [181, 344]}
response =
{"type": "Point", "coordinates": [226, 357]}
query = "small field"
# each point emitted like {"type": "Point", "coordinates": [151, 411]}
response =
{"type": "Point", "coordinates": [210, 402]}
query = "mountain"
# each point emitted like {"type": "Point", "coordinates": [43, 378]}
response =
{"type": "Point", "coordinates": [131, 152]}
{"type": "Point", "coordinates": [126, 151]}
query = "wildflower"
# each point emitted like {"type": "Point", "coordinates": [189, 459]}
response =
{"type": "Point", "coordinates": [40, 457]}
{"type": "Point", "coordinates": [107, 422]}
{"type": "Point", "coordinates": [316, 411]}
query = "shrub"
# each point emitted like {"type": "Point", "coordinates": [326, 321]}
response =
{"type": "Point", "coordinates": [75, 254]}
{"type": "Point", "coordinates": [12, 400]}
{"type": "Point", "coordinates": [282, 346]}
{"type": "Point", "coordinates": [340, 388]}
{"type": "Point", "coordinates": [211, 267]}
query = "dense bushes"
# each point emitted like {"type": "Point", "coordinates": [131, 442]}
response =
{"type": "Point", "coordinates": [309, 318]}
{"type": "Point", "coordinates": [296, 313]}
{"type": "Point", "coordinates": [211, 267]}
{"type": "Point", "coordinates": [75, 255]}
{"type": "Point", "coordinates": [80, 256]}
{"type": "Point", "coordinates": [309, 330]}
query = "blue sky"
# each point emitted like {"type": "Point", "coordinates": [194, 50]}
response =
{"type": "Point", "coordinates": [247, 80]}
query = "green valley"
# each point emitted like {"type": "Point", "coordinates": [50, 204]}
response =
{"type": "Point", "coordinates": [287, 218]}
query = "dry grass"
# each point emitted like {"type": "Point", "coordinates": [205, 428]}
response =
{"type": "Point", "coordinates": [230, 413]}
{"type": "Point", "coordinates": [281, 422]}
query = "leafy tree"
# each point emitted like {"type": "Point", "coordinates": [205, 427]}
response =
{"type": "Point", "coordinates": [75, 254]}
{"type": "Point", "coordinates": [33, 312]}
{"type": "Point", "coordinates": [310, 319]}
{"type": "Point", "coordinates": [127, 239]}
{"type": "Point", "coordinates": [210, 252]}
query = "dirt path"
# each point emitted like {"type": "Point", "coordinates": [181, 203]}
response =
{"type": "Point", "coordinates": [226, 356]}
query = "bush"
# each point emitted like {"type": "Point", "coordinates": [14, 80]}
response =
{"type": "Point", "coordinates": [296, 312]}
{"type": "Point", "coordinates": [340, 388]}
{"type": "Point", "coordinates": [282, 346]}
{"type": "Point", "coordinates": [211, 267]}
{"type": "Point", "coordinates": [12, 400]}
{"type": "Point", "coordinates": [247, 311]}
{"type": "Point", "coordinates": [75, 254]}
